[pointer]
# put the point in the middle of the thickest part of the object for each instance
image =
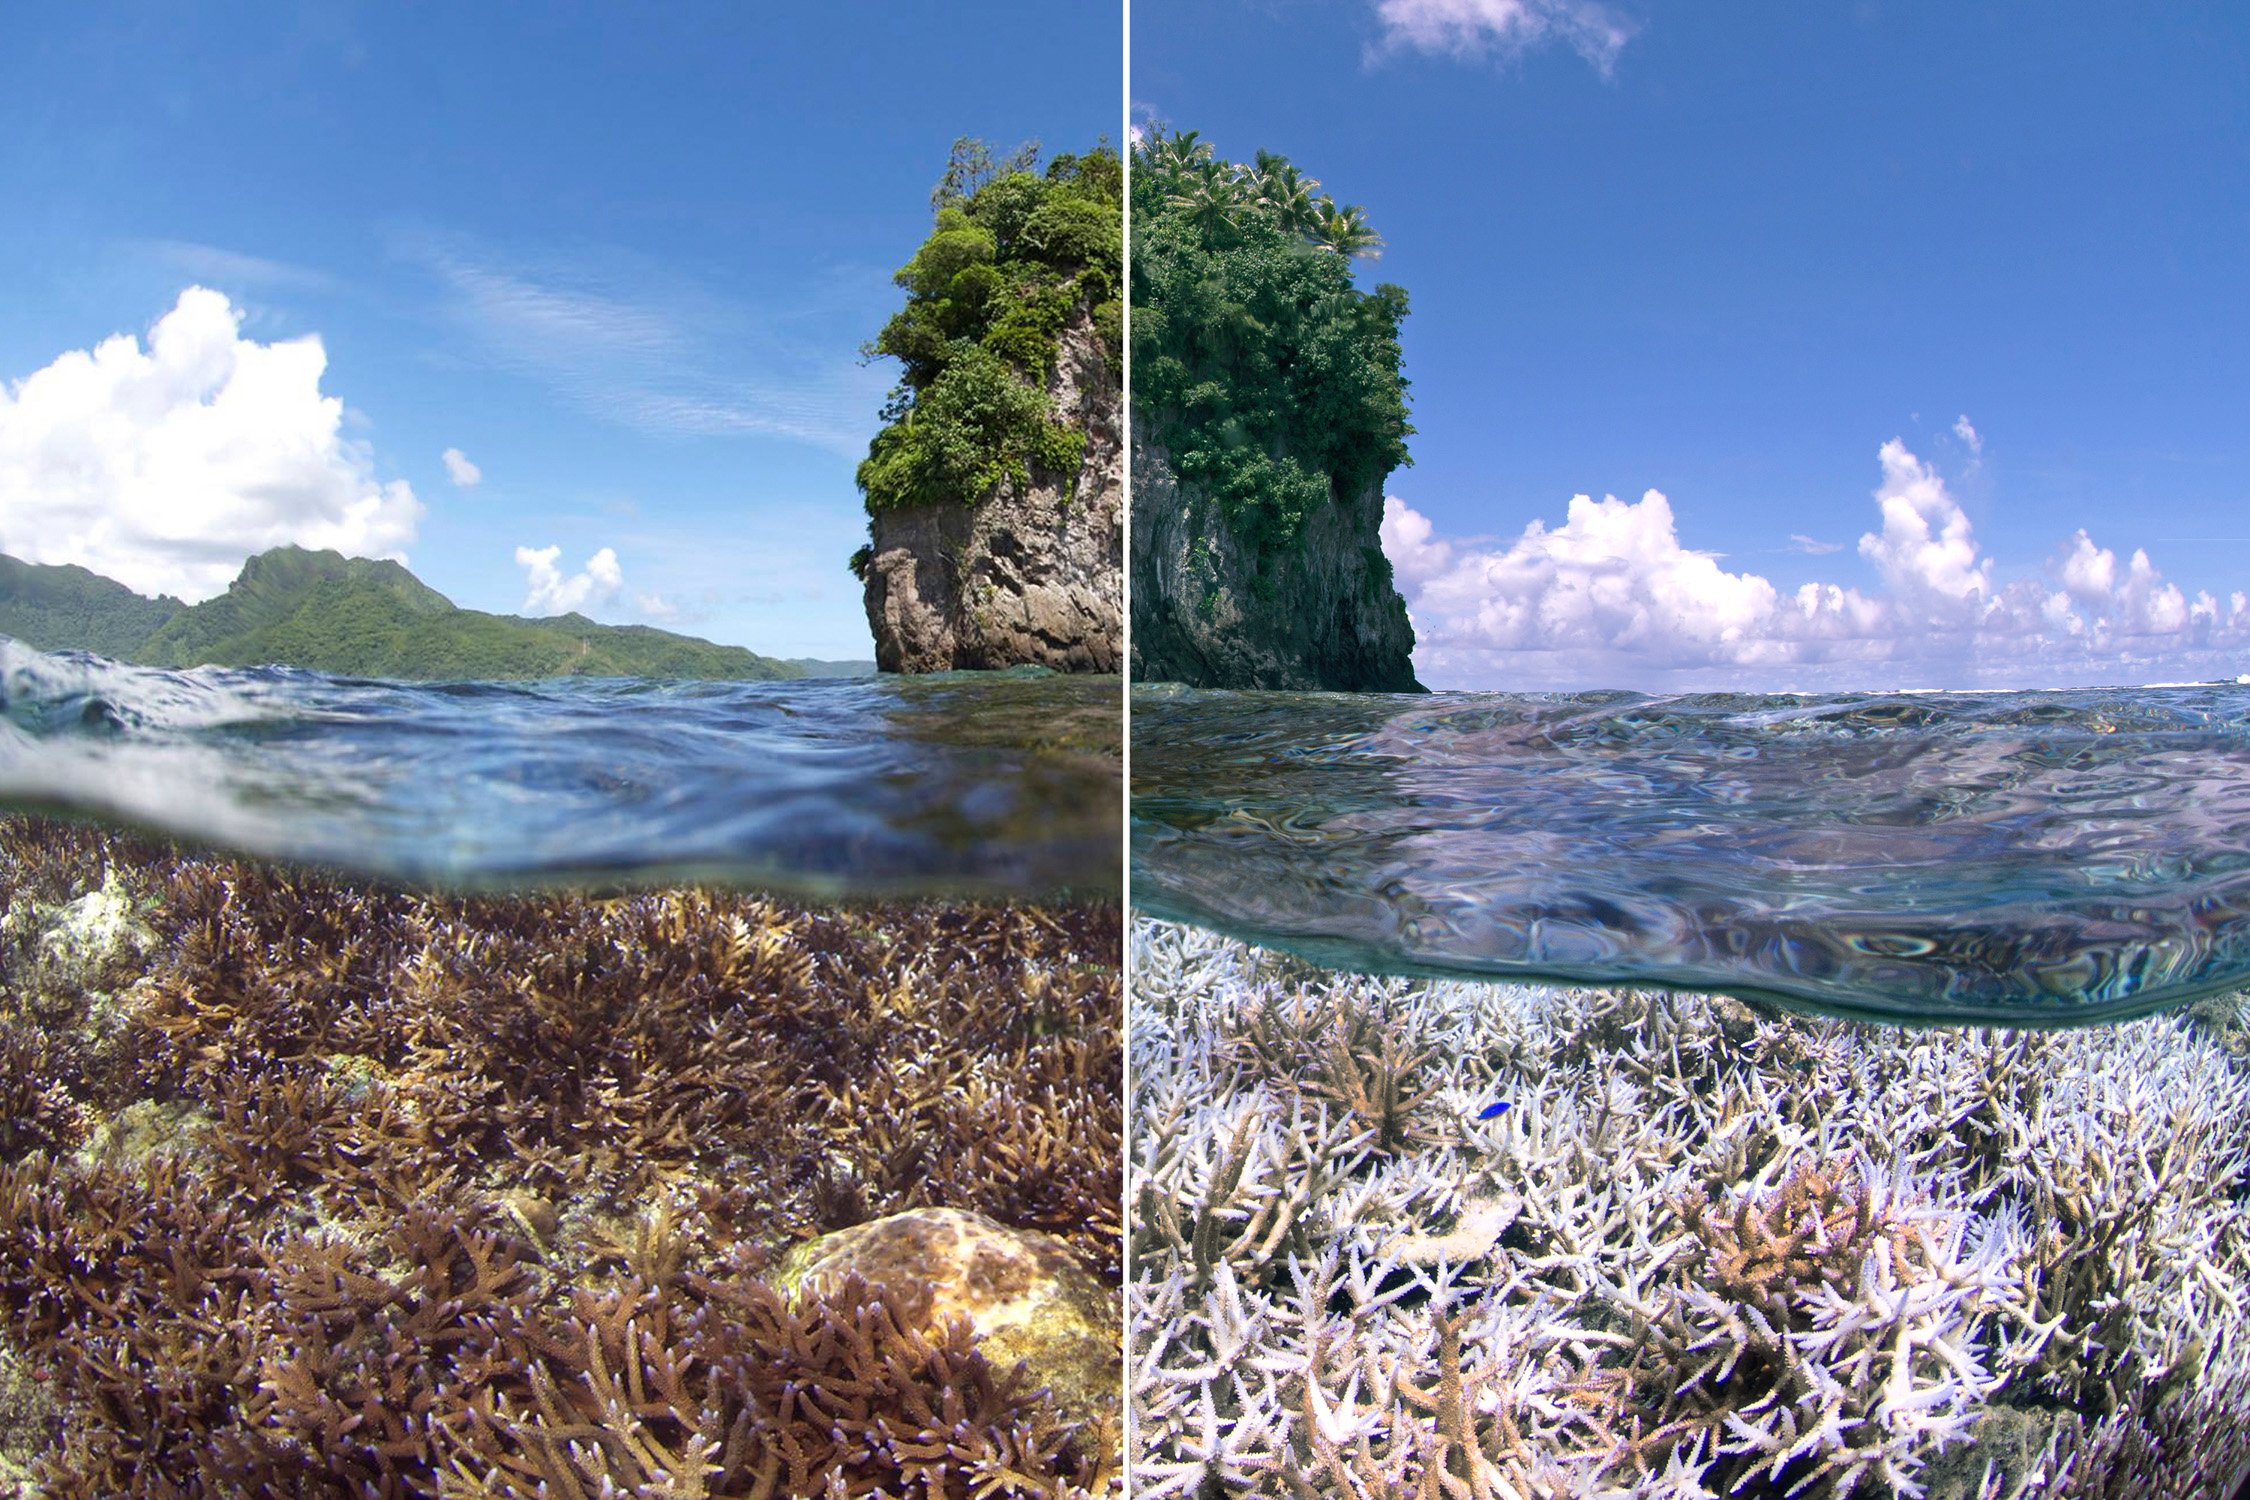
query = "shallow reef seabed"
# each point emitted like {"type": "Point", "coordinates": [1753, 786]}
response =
{"type": "Point", "coordinates": [1704, 1250]}
{"type": "Point", "coordinates": [314, 1188]}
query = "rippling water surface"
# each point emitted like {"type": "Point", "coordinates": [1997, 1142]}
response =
{"type": "Point", "coordinates": [967, 783]}
{"type": "Point", "coordinates": [2021, 858]}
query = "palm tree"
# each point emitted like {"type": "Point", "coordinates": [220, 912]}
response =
{"type": "Point", "coordinates": [1171, 157]}
{"type": "Point", "coordinates": [1211, 195]}
{"type": "Point", "coordinates": [1288, 193]}
{"type": "Point", "coordinates": [1261, 174]}
{"type": "Point", "coordinates": [1345, 230]}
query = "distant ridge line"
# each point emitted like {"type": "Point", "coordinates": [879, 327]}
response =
{"type": "Point", "coordinates": [355, 616]}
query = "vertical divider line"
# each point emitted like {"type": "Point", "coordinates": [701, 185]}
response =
{"type": "Point", "coordinates": [1125, 773]}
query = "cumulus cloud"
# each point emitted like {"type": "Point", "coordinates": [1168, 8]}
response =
{"type": "Point", "coordinates": [465, 475]}
{"type": "Point", "coordinates": [1926, 551]}
{"type": "Point", "coordinates": [548, 591]}
{"type": "Point", "coordinates": [165, 465]}
{"type": "Point", "coordinates": [1966, 431]}
{"type": "Point", "coordinates": [1612, 577]}
{"type": "Point", "coordinates": [1612, 598]}
{"type": "Point", "coordinates": [2135, 599]}
{"type": "Point", "coordinates": [1474, 29]}
{"type": "Point", "coordinates": [1416, 557]}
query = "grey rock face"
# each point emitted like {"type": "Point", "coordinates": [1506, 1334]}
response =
{"type": "Point", "coordinates": [1208, 611]}
{"type": "Point", "coordinates": [1030, 576]}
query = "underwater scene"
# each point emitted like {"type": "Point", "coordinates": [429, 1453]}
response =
{"type": "Point", "coordinates": [1711, 1095]}
{"type": "Point", "coordinates": [558, 1088]}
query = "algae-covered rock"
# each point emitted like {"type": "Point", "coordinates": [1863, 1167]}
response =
{"type": "Point", "coordinates": [29, 1420]}
{"type": "Point", "coordinates": [1023, 1292]}
{"type": "Point", "coordinates": [2010, 1443]}
{"type": "Point", "coordinates": [90, 943]}
{"type": "Point", "coordinates": [145, 1127]}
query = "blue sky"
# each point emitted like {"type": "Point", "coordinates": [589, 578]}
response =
{"type": "Point", "coordinates": [620, 260]}
{"type": "Point", "coordinates": [1732, 254]}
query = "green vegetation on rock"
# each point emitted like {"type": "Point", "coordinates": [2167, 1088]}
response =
{"type": "Point", "coordinates": [1270, 378]}
{"type": "Point", "coordinates": [350, 615]}
{"type": "Point", "coordinates": [1014, 257]}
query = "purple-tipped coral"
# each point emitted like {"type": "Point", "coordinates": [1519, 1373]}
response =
{"type": "Point", "coordinates": [307, 1188]}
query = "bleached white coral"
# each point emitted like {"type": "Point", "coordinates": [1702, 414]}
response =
{"type": "Point", "coordinates": [1703, 1251]}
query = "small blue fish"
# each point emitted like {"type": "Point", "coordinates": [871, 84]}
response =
{"type": "Point", "coordinates": [1493, 1111]}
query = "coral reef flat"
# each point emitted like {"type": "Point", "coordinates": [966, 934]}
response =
{"type": "Point", "coordinates": [311, 1188]}
{"type": "Point", "coordinates": [1405, 1238]}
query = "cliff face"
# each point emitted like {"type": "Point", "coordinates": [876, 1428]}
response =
{"type": "Point", "coordinates": [1209, 611]}
{"type": "Point", "coordinates": [1030, 575]}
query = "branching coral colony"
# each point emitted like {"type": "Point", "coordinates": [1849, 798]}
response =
{"type": "Point", "coordinates": [1704, 1251]}
{"type": "Point", "coordinates": [307, 1189]}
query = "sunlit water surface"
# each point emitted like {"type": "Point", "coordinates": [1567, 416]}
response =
{"type": "Point", "coordinates": [973, 784]}
{"type": "Point", "coordinates": [2017, 858]}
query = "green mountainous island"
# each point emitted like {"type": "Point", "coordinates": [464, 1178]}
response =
{"type": "Point", "coordinates": [356, 617]}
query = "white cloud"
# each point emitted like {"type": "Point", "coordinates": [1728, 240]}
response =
{"type": "Point", "coordinates": [1812, 546]}
{"type": "Point", "coordinates": [655, 607]}
{"type": "Point", "coordinates": [466, 475]}
{"type": "Point", "coordinates": [2137, 601]}
{"type": "Point", "coordinates": [549, 592]}
{"type": "Point", "coordinates": [1612, 599]}
{"type": "Point", "coordinates": [1966, 431]}
{"type": "Point", "coordinates": [1612, 577]}
{"type": "Point", "coordinates": [1473, 29]}
{"type": "Point", "coordinates": [1415, 558]}
{"type": "Point", "coordinates": [165, 466]}
{"type": "Point", "coordinates": [1926, 551]}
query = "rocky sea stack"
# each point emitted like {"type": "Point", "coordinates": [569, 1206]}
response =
{"type": "Point", "coordinates": [1213, 610]}
{"type": "Point", "coordinates": [995, 496]}
{"type": "Point", "coordinates": [1268, 412]}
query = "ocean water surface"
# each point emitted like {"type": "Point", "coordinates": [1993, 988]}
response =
{"type": "Point", "coordinates": [2015, 858]}
{"type": "Point", "coordinates": [972, 784]}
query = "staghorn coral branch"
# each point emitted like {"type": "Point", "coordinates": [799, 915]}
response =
{"type": "Point", "coordinates": [1754, 1256]}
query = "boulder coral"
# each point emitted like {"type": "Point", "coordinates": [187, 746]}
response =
{"type": "Point", "coordinates": [1023, 1294]}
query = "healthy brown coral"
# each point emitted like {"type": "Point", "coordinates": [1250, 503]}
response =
{"type": "Point", "coordinates": [474, 1194]}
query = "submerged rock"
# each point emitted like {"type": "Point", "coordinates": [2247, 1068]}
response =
{"type": "Point", "coordinates": [1023, 1292]}
{"type": "Point", "coordinates": [29, 1417]}
{"type": "Point", "coordinates": [1027, 577]}
{"type": "Point", "coordinates": [145, 1127]}
{"type": "Point", "coordinates": [90, 943]}
{"type": "Point", "coordinates": [1211, 609]}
